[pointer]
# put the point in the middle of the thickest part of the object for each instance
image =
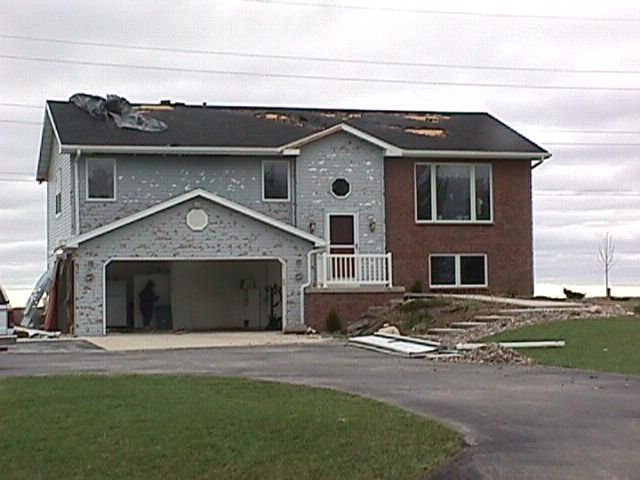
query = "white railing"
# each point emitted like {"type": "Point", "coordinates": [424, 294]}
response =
{"type": "Point", "coordinates": [352, 270]}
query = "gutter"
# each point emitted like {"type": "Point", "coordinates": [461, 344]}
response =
{"type": "Point", "coordinates": [169, 150]}
{"type": "Point", "coordinates": [472, 154]}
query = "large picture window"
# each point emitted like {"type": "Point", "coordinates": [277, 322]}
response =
{"type": "Point", "coordinates": [448, 192]}
{"type": "Point", "coordinates": [275, 180]}
{"type": "Point", "coordinates": [459, 270]}
{"type": "Point", "coordinates": [101, 179]}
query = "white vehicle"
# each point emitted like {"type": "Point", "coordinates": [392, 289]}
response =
{"type": "Point", "coordinates": [6, 321]}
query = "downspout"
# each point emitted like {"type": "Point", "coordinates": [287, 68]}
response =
{"type": "Point", "coordinates": [76, 194]}
{"type": "Point", "coordinates": [308, 282]}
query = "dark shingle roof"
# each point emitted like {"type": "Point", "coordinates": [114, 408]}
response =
{"type": "Point", "coordinates": [213, 126]}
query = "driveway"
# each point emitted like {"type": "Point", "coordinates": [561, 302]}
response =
{"type": "Point", "coordinates": [521, 422]}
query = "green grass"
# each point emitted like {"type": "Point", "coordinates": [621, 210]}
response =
{"type": "Point", "coordinates": [196, 427]}
{"type": "Point", "coordinates": [604, 344]}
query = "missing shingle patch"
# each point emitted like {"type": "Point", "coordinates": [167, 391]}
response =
{"type": "Point", "coordinates": [426, 117]}
{"type": "Point", "coordinates": [279, 117]}
{"type": "Point", "coordinates": [426, 132]}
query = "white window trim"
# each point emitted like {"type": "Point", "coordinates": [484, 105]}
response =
{"type": "Point", "coordinates": [58, 192]}
{"type": "Point", "coordinates": [86, 181]}
{"type": "Point", "coordinates": [338, 196]}
{"type": "Point", "coordinates": [472, 194]}
{"type": "Point", "coordinates": [457, 257]}
{"type": "Point", "coordinates": [288, 181]}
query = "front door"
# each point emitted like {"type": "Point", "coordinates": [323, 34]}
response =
{"type": "Point", "coordinates": [342, 236]}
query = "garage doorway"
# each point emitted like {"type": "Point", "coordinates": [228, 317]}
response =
{"type": "Point", "coordinates": [195, 295]}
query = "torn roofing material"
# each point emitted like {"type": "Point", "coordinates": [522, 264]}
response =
{"type": "Point", "coordinates": [119, 109]}
{"type": "Point", "coordinates": [260, 127]}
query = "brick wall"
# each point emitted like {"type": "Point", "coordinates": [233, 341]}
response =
{"type": "Point", "coordinates": [507, 241]}
{"type": "Point", "coordinates": [350, 304]}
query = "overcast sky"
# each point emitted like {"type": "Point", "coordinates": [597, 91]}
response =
{"type": "Point", "coordinates": [565, 74]}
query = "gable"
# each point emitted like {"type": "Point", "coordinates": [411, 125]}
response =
{"type": "Point", "coordinates": [205, 196]}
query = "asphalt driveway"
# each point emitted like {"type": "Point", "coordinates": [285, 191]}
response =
{"type": "Point", "coordinates": [521, 422]}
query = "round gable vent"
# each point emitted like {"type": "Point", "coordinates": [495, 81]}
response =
{"type": "Point", "coordinates": [340, 187]}
{"type": "Point", "coordinates": [197, 219]}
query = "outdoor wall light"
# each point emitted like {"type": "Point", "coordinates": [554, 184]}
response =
{"type": "Point", "coordinates": [372, 224]}
{"type": "Point", "coordinates": [312, 226]}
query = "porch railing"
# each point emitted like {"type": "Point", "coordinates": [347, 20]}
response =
{"type": "Point", "coordinates": [355, 269]}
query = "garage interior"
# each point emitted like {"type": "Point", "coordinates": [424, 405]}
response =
{"type": "Point", "coordinates": [195, 295]}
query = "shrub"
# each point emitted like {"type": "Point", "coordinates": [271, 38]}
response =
{"type": "Point", "coordinates": [636, 309]}
{"type": "Point", "coordinates": [417, 287]}
{"type": "Point", "coordinates": [334, 323]}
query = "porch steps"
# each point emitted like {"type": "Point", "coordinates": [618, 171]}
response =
{"type": "Point", "coordinates": [467, 324]}
{"type": "Point", "coordinates": [445, 331]}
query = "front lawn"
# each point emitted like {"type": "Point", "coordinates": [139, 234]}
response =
{"type": "Point", "coordinates": [196, 427]}
{"type": "Point", "coordinates": [605, 344]}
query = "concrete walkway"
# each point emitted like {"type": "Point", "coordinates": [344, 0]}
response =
{"type": "Point", "coordinates": [125, 342]}
{"type": "Point", "coordinates": [520, 302]}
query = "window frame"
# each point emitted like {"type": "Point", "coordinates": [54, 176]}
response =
{"type": "Point", "coordinates": [58, 193]}
{"type": "Point", "coordinates": [340, 197]}
{"type": "Point", "coordinates": [434, 194]}
{"type": "Point", "coordinates": [288, 164]}
{"type": "Point", "coordinates": [458, 273]}
{"type": "Point", "coordinates": [86, 177]}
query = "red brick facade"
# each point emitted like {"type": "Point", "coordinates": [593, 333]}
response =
{"type": "Point", "coordinates": [507, 242]}
{"type": "Point", "coordinates": [350, 304]}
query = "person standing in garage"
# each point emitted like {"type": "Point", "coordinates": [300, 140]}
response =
{"type": "Point", "coordinates": [148, 298]}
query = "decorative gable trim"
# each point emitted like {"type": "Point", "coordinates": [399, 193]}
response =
{"type": "Point", "coordinates": [198, 193]}
{"type": "Point", "coordinates": [390, 150]}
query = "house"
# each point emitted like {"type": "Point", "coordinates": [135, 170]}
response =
{"type": "Point", "coordinates": [268, 217]}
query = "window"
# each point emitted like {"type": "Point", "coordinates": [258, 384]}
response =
{"type": "Point", "coordinates": [101, 175]}
{"type": "Point", "coordinates": [275, 181]}
{"type": "Point", "coordinates": [340, 187]}
{"type": "Point", "coordinates": [58, 192]}
{"type": "Point", "coordinates": [453, 192]}
{"type": "Point", "coordinates": [458, 271]}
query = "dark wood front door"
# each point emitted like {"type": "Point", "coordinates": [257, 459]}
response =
{"type": "Point", "coordinates": [342, 234]}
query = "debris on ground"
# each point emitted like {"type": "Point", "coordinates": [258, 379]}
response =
{"type": "Point", "coordinates": [24, 332]}
{"type": "Point", "coordinates": [492, 354]}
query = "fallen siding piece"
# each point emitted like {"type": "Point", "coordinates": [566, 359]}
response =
{"type": "Point", "coordinates": [34, 332]}
{"type": "Point", "coordinates": [392, 346]}
{"type": "Point", "coordinates": [404, 338]}
{"type": "Point", "coordinates": [525, 344]}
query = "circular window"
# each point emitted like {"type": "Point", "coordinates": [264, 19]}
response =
{"type": "Point", "coordinates": [340, 187]}
{"type": "Point", "coordinates": [197, 219]}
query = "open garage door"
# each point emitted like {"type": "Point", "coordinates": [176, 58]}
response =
{"type": "Point", "coordinates": [194, 295]}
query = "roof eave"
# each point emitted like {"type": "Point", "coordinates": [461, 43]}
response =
{"type": "Point", "coordinates": [174, 150]}
{"type": "Point", "coordinates": [473, 154]}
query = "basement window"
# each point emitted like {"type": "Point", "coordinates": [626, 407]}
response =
{"type": "Point", "coordinates": [275, 180]}
{"type": "Point", "coordinates": [458, 271]}
{"type": "Point", "coordinates": [101, 175]}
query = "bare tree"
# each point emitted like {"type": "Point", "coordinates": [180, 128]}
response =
{"type": "Point", "coordinates": [606, 259]}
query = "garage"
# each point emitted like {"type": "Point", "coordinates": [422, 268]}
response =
{"type": "Point", "coordinates": [195, 295]}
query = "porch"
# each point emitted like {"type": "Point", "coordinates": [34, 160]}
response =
{"type": "Point", "coordinates": [353, 270]}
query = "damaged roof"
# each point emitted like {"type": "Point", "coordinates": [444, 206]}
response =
{"type": "Point", "coordinates": [203, 126]}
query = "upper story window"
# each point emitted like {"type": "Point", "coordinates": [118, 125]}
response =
{"type": "Point", "coordinates": [275, 180]}
{"type": "Point", "coordinates": [58, 192]}
{"type": "Point", "coordinates": [447, 192]}
{"type": "Point", "coordinates": [101, 179]}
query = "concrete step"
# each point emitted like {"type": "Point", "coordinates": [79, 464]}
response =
{"type": "Point", "coordinates": [492, 318]}
{"type": "Point", "coordinates": [467, 324]}
{"type": "Point", "coordinates": [375, 310]}
{"type": "Point", "coordinates": [444, 331]}
{"type": "Point", "coordinates": [545, 310]}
